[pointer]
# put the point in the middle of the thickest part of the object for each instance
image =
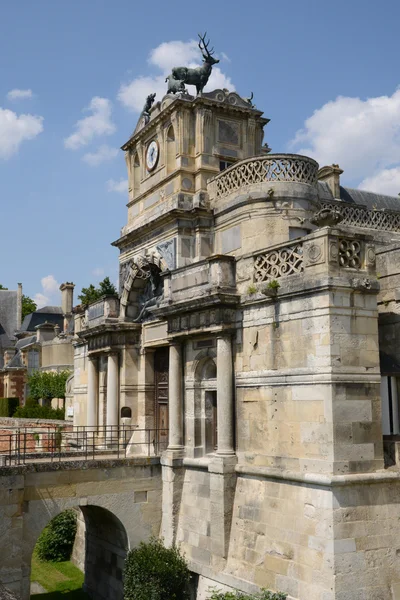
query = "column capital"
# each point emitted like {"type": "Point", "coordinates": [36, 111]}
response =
{"type": "Point", "coordinates": [112, 353]}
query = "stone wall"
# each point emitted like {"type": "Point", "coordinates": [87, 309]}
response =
{"type": "Point", "coordinates": [31, 495]}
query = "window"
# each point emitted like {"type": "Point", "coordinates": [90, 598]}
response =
{"type": "Point", "coordinates": [171, 151]}
{"type": "Point", "coordinates": [224, 164]}
{"type": "Point", "coordinates": [136, 175]}
{"type": "Point", "coordinates": [211, 421]}
{"type": "Point", "coordinates": [390, 406]}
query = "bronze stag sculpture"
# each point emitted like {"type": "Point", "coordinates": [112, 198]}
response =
{"type": "Point", "coordinates": [200, 75]}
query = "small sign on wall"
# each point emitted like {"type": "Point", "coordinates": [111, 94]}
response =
{"type": "Point", "coordinates": [70, 411]}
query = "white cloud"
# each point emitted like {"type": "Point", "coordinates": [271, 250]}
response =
{"type": "Point", "coordinates": [225, 57]}
{"type": "Point", "coordinates": [16, 129]}
{"type": "Point", "coordinates": [103, 154]}
{"type": "Point", "coordinates": [120, 186]}
{"type": "Point", "coordinates": [386, 181]}
{"type": "Point", "coordinates": [166, 56]}
{"type": "Point", "coordinates": [97, 124]}
{"type": "Point", "coordinates": [362, 136]}
{"type": "Point", "coordinates": [17, 94]}
{"type": "Point", "coordinates": [50, 294]}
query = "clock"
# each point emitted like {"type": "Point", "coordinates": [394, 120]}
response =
{"type": "Point", "coordinates": [152, 155]}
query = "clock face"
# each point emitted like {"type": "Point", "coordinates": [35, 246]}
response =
{"type": "Point", "coordinates": [152, 155]}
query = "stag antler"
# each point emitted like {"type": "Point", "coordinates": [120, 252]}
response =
{"type": "Point", "coordinates": [205, 45]}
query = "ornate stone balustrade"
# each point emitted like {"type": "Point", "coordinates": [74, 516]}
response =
{"type": "Point", "coordinates": [274, 168]}
{"type": "Point", "coordinates": [359, 216]}
{"type": "Point", "coordinates": [278, 262]}
{"type": "Point", "coordinates": [325, 248]}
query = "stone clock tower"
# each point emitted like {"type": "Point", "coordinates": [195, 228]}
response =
{"type": "Point", "coordinates": [185, 142]}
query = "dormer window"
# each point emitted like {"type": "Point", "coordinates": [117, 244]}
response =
{"type": "Point", "coordinates": [225, 164]}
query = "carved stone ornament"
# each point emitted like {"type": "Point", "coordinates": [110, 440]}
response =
{"type": "Point", "coordinates": [314, 253]}
{"type": "Point", "coordinates": [168, 252]}
{"type": "Point", "coordinates": [333, 251]}
{"type": "Point", "coordinates": [327, 217]}
{"type": "Point", "coordinates": [370, 256]}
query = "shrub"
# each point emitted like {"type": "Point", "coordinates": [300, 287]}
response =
{"type": "Point", "coordinates": [56, 541]}
{"type": "Point", "coordinates": [8, 406]}
{"type": "Point", "coordinates": [33, 410]}
{"type": "Point", "coordinates": [263, 595]}
{"type": "Point", "coordinates": [153, 571]}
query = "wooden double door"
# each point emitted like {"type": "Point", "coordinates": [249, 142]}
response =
{"type": "Point", "coordinates": [161, 370]}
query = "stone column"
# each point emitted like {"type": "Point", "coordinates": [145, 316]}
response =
{"type": "Point", "coordinates": [225, 395]}
{"type": "Point", "coordinates": [92, 392]}
{"type": "Point", "coordinates": [175, 397]}
{"type": "Point", "coordinates": [112, 390]}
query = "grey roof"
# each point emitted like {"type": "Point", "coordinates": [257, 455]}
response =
{"type": "Point", "coordinates": [50, 310]}
{"type": "Point", "coordinates": [8, 311]}
{"type": "Point", "coordinates": [39, 317]}
{"type": "Point", "coordinates": [25, 342]}
{"type": "Point", "coordinates": [5, 341]}
{"type": "Point", "coordinates": [16, 361]}
{"type": "Point", "coordinates": [370, 199]}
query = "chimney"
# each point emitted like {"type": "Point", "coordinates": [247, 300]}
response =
{"type": "Point", "coordinates": [67, 301]}
{"type": "Point", "coordinates": [19, 306]}
{"type": "Point", "coordinates": [332, 177]}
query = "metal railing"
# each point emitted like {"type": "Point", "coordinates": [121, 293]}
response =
{"type": "Point", "coordinates": [19, 446]}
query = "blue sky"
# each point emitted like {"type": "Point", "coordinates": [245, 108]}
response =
{"type": "Point", "coordinates": [326, 74]}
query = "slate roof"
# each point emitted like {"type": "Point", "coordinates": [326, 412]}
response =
{"type": "Point", "coordinates": [16, 362]}
{"type": "Point", "coordinates": [8, 311]}
{"type": "Point", "coordinates": [56, 310]}
{"type": "Point", "coordinates": [370, 200]}
{"type": "Point", "coordinates": [38, 317]}
{"type": "Point", "coordinates": [5, 341]}
{"type": "Point", "coordinates": [25, 342]}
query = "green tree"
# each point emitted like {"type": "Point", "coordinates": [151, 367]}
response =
{"type": "Point", "coordinates": [47, 385]}
{"type": "Point", "coordinates": [91, 294]}
{"type": "Point", "coordinates": [28, 306]}
{"type": "Point", "coordinates": [56, 541]}
{"type": "Point", "coordinates": [106, 287]}
{"type": "Point", "coordinates": [2, 287]}
{"type": "Point", "coordinates": [153, 571]}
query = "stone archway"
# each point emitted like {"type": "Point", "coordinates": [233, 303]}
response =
{"type": "Point", "coordinates": [100, 548]}
{"type": "Point", "coordinates": [137, 274]}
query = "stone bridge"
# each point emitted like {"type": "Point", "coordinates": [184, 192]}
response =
{"type": "Point", "coordinates": [119, 503]}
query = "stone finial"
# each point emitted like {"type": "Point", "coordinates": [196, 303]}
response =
{"type": "Point", "coordinates": [331, 174]}
{"type": "Point", "coordinates": [327, 217]}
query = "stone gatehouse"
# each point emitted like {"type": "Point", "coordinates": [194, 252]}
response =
{"type": "Point", "coordinates": [254, 341]}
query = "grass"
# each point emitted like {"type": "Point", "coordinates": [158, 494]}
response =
{"type": "Point", "coordinates": [62, 580]}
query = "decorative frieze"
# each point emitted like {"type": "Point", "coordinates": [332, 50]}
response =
{"type": "Point", "coordinates": [202, 319]}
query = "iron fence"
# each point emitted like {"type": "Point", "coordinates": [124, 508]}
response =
{"type": "Point", "coordinates": [29, 444]}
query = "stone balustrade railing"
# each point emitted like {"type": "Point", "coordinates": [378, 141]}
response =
{"type": "Point", "coordinates": [360, 216]}
{"type": "Point", "coordinates": [272, 168]}
{"type": "Point", "coordinates": [322, 246]}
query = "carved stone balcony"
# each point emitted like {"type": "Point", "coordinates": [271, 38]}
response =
{"type": "Point", "coordinates": [102, 311]}
{"type": "Point", "coordinates": [207, 282]}
{"type": "Point", "coordinates": [255, 172]}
